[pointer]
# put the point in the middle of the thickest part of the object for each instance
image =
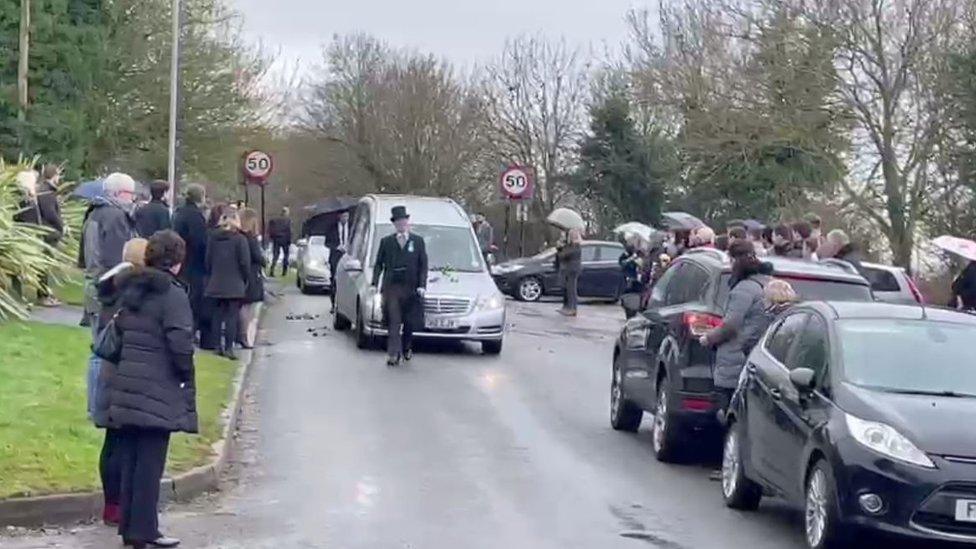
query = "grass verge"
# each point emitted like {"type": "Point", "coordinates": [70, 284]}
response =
{"type": "Point", "coordinates": [47, 444]}
{"type": "Point", "coordinates": [72, 290]}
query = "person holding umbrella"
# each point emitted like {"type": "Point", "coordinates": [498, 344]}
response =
{"type": "Point", "coordinates": [964, 286]}
{"type": "Point", "coordinates": [402, 264]}
{"type": "Point", "coordinates": [569, 259]}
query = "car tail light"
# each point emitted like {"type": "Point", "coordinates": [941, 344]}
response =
{"type": "Point", "coordinates": [700, 324]}
{"type": "Point", "coordinates": [696, 404]}
{"type": "Point", "coordinates": [914, 289]}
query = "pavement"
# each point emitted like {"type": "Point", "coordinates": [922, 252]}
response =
{"type": "Point", "coordinates": [454, 450]}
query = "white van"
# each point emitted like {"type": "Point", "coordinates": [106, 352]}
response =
{"type": "Point", "coordinates": [462, 300]}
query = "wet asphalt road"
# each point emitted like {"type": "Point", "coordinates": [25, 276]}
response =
{"type": "Point", "coordinates": [455, 450]}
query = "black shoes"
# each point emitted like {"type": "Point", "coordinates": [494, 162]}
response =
{"type": "Point", "coordinates": [408, 354]}
{"type": "Point", "coordinates": [393, 361]}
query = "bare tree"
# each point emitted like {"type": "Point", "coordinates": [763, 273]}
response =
{"type": "Point", "coordinates": [536, 94]}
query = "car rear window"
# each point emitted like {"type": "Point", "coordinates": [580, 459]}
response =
{"type": "Point", "coordinates": [882, 280]}
{"type": "Point", "coordinates": [811, 289]}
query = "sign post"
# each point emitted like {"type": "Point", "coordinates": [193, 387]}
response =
{"type": "Point", "coordinates": [257, 167]}
{"type": "Point", "coordinates": [517, 184]}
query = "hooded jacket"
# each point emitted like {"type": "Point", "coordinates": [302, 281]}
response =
{"type": "Point", "coordinates": [228, 265]}
{"type": "Point", "coordinates": [743, 324]}
{"type": "Point", "coordinates": [153, 385]}
{"type": "Point", "coordinates": [107, 228]}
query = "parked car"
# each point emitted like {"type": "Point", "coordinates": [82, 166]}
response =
{"type": "Point", "coordinates": [312, 265]}
{"type": "Point", "coordinates": [862, 413]}
{"type": "Point", "coordinates": [530, 278]}
{"type": "Point", "coordinates": [891, 284]}
{"type": "Point", "coordinates": [660, 367]}
{"type": "Point", "coordinates": [461, 303]}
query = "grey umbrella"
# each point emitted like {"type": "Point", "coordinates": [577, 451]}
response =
{"type": "Point", "coordinates": [681, 220]}
{"type": "Point", "coordinates": [566, 219]}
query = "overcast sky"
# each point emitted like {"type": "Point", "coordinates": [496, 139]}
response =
{"type": "Point", "coordinates": [464, 31]}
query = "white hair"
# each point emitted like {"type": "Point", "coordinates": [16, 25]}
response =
{"type": "Point", "coordinates": [838, 238]}
{"type": "Point", "coordinates": [118, 183]}
{"type": "Point", "coordinates": [27, 181]}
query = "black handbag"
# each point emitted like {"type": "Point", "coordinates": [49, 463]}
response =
{"type": "Point", "coordinates": [108, 344]}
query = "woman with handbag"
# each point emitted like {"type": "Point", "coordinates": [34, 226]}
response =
{"type": "Point", "coordinates": [254, 295]}
{"type": "Point", "coordinates": [100, 371]}
{"type": "Point", "coordinates": [152, 392]}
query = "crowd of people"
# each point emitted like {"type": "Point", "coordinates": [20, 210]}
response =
{"type": "Point", "coordinates": [157, 287]}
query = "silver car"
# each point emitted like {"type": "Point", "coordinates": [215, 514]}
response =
{"type": "Point", "coordinates": [462, 301]}
{"type": "Point", "coordinates": [312, 265]}
{"type": "Point", "coordinates": [891, 284]}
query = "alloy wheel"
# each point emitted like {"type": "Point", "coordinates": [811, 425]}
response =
{"type": "Point", "coordinates": [660, 419]}
{"type": "Point", "coordinates": [615, 392]}
{"type": "Point", "coordinates": [530, 289]}
{"type": "Point", "coordinates": [731, 468]}
{"type": "Point", "coordinates": [816, 508]}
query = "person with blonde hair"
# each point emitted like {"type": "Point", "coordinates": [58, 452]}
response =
{"type": "Point", "coordinates": [228, 267]}
{"type": "Point", "coordinates": [569, 260]}
{"type": "Point", "coordinates": [254, 295]}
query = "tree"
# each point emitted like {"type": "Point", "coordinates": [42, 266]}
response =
{"type": "Point", "coordinates": [621, 172]}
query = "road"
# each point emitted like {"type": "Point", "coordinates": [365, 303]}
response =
{"type": "Point", "coordinates": [454, 450]}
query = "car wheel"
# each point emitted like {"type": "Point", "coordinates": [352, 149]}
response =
{"type": "Point", "coordinates": [624, 414]}
{"type": "Point", "coordinates": [738, 490]}
{"type": "Point", "coordinates": [821, 511]}
{"type": "Point", "coordinates": [666, 431]}
{"type": "Point", "coordinates": [302, 287]}
{"type": "Point", "coordinates": [362, 339]}
{"type": "Point", "coordinates": [491, 347]}
{"type": "Point", "coordinates": [529, 289]}
{"type": "Point", "coordinates": [339, 322]}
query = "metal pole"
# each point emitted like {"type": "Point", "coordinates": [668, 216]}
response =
{"type": "Point", "coordinates": [23, 64]}
{"type": "Point", "coordinates": [247, 196]}
{"type": "Point", "coordinates": [174, 88]}
{"type": "Point", "coordinates": [521, 216]}
{"type": "Point", "coordinates": [508, 215]}
{"type": "Point", "coordinates": [262, 207]}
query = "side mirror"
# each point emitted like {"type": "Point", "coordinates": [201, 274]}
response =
{"type": "Point", "coordinates": [302, 242]}
{"type": "Point", "coordinates": [804, 379]}
{"type": "Point", "coordinates": [353, 266]}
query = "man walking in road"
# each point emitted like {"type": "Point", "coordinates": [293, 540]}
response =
{"type": "Point", "coordinates": [279, 233]}
{"type": "Point", "coordinates": [154, 216]}
{"type": "Point", "coordinates": [402, 263]}
{"type": "Point", "coordinates": [338, 248]}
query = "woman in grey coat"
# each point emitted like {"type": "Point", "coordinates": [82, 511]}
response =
{"type": "Point", "coordinates": [744, 321]}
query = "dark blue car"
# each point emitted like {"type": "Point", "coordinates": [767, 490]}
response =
{"type": "Point", "coordinates": [863, 414]}
{"type": "Point", "coordinates": [531, 278]}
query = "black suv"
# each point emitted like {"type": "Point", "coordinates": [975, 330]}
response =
{"type": "Point", "coordinates": [658, 364]}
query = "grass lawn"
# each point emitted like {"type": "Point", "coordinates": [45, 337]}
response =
{"type": "Point", "coordinates": [72, 291]}
{"type": "Point", "coordinates": [47, 444]}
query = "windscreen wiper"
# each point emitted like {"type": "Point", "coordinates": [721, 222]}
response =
{"type": "Point", "coordinates": [949, 394]}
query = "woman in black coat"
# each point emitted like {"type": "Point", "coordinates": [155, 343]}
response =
{"type": "Point", "coordinates": [254, 295]}
{"type": "Point", "coordinates": [152, 392]}
{"type": "Point", "coordinates": [228, 269]}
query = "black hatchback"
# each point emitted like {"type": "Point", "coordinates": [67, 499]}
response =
{"type": "Point", "coordinates": [659, 365]}
{"type": "Point", "coordinates": [864, 414]}
{"type": "Point", "coordinates": [531, 278]}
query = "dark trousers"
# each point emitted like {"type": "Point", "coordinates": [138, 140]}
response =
{"type": "Point", "coordinates": [226, 322]}
{"type": "Point", "coordinates": [280, 249]}
{"type": "Point", "coordinates": [335, 255]}
{"type": "Point", "coordinates": [571, 297]}
{"type": "Point", "coordinates": [110, 466]}
{"type": "Point", "coordinates": [196, 284]}
{"type": "Point", "coordinates": [400, 304]}
{"type": "Point", "coordinates": [143, 460]}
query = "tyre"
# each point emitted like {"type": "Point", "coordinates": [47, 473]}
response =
{"type": "Point", "coordinates": [491, 347]}
{"type": "Point", "coordinates": [302, 287]}
{"type": "Point", "coordinates": [529, 289]}
{"type": "Point", "coordinates": [822, 526]}
{"type": "Point", "coordinates": [666, 431]}
{"type": "Point", "coordinates": [339, 322]}
{"type": "Point", "coordinates": [298, 281]}
{"type": "Point", "coordinates": [363, 341]}
{"type": "Point", "coordinates": [738, 490]}
{"type": "Point", "coordinates": [624, 415]}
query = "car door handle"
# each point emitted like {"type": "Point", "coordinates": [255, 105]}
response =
{"type": "Point", "coordinates": [751, 368]}
{"type": "Point", "coordinates": [775, 393]}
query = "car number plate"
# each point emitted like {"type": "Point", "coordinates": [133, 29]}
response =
{"type": "Point", "coordinates": [966, 510]}
{"type": "Point", "coordinates": [436, 323]}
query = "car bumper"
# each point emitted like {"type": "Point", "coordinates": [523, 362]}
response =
{"type": "Point", "coordinates": [919, 503]}
{"type": "Point", "coordinates": [476, 326]}
{"type": "Point", "coordinates": [317, 278]}
{"type": "Point", "coordinates": [506, 284]}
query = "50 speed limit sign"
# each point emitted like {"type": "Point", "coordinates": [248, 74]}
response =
{"type": "Point", "coordinates": [258, 166]}
{"type": "Point", "coordinates": [517, 183]}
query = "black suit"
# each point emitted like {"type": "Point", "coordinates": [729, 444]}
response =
{"type": "Point", "coordinates": [403, 270]}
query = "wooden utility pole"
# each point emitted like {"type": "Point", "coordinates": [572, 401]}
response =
{"type": "Point", "coordinates": [22, 65]}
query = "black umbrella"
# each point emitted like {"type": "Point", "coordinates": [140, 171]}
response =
{"type": "Point", "coordinates": [332, 204]}
{"type": "Point", "coordinates": [681, 221]}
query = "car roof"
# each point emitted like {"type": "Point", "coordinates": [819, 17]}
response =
{"type": "Point", "coordinates": [785, 266]}
{"type": "Point", "coordinates": [880, 310]}
{"type": "Point", "coordinates": [603, 243]}
{"type": "Point", "coordinates": [423, 210]}
{"type": "Point", "coordinates": [890, 268]}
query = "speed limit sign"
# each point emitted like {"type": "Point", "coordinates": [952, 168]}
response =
{"type": "Point", "coordinates": [517, 182]}
{"type": "Point", "coordinates": [257, 166]}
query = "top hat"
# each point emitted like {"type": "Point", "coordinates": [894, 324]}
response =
{"type": "Point", "coordinates": [399, 212]}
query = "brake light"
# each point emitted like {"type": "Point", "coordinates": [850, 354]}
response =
{"type": "Point", "coordinates": [696, 404]}
{"type": "Point", "coordinates": [914, 289]}
{"type": "Point", "coordinates": [700, 324]}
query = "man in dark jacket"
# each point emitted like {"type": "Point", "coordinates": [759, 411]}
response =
{"type": "Point", "coordinates": [108, 227]}
{"type": "Point", "coordinates": [47, 214]}
{"type": "Point", "coordinates": [402, 264]}
{"type": "Point", "coordinates": [154, 216]}
{"type": "Point", "coordinates": [152, 392]}
{"type": "Point", "coordinates": [279, 233]}
{"type": "Point", "coordinates": [190, 223]}
{"type": "Point", "coordinates": [338, 246]}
